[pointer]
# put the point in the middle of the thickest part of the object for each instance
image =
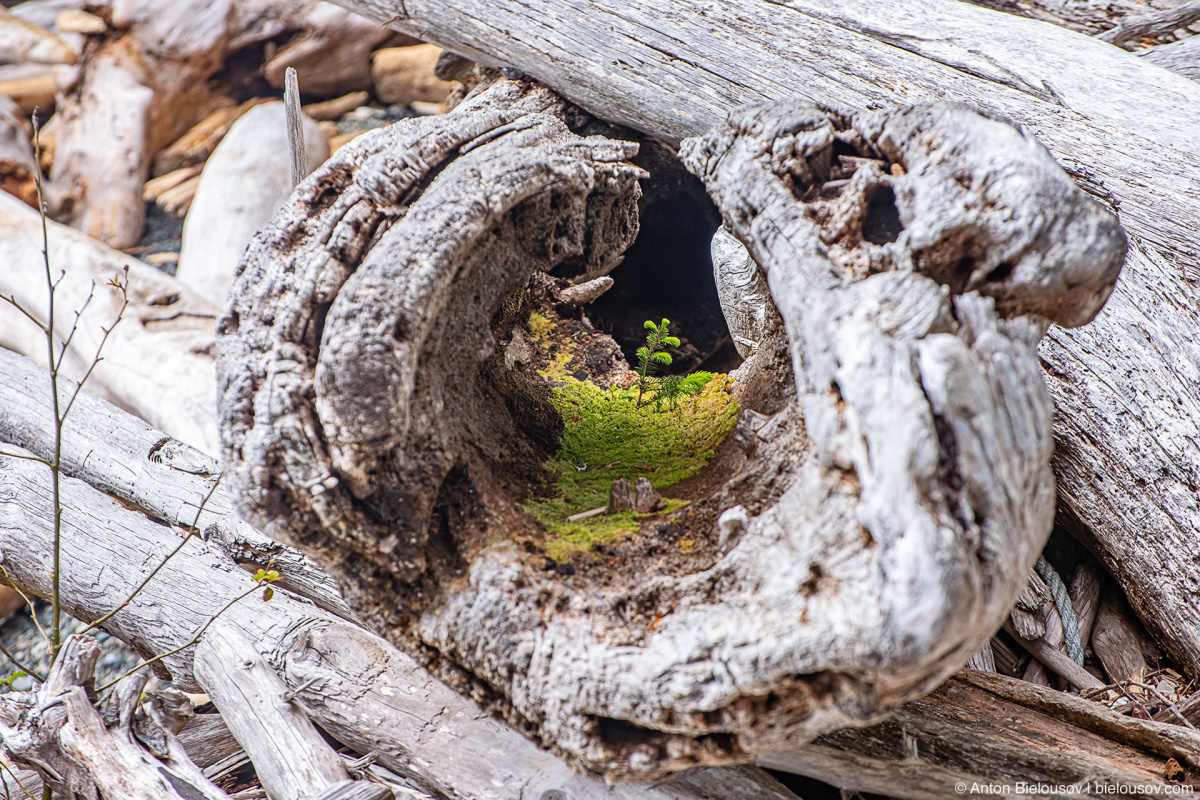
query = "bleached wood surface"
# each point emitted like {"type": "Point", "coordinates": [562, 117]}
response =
{"type": "Point", "coordinates": [243, 184]}
{"type": "Point", "coordinates": [957, 733]}
{"type": "Point", "coordinates": [1127, 463]}
{"type": "Point", "coordinates": [158, 361]}
{"type": "Point", "coordinates": [926, 487]}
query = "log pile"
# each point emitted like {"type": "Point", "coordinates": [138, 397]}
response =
{"type": "Point", "coordinates": [903, 278]}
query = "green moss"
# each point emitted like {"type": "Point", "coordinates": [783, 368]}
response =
{"type": "Point", "coordinates": [607, 436]}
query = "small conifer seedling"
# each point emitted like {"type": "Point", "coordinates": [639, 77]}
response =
{"type": "Point", "coordinates": [653, 355]}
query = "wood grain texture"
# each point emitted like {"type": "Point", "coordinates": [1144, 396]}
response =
{"type": "Point", "coordinates": [1127, 466]}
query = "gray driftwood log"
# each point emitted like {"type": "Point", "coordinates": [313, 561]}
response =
{"type": "Point", "coordinates": [912, 255]}
{"type": "Point", "coordinates": [1124, 129]}
{"type": "Point", "coordinates": [351, 682]}
{"type": "Point", "coordinates": [964, 732]}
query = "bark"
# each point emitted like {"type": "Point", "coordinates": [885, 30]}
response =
{"type": "Point", "coordinates": [1126, 469]}
{"type": "Point", "coordinates": [942, 427]}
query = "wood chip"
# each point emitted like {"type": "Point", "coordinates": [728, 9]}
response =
{"type": "Point", "coordinates": [582, 515]}
{"type": "Point", "coordinates": [76, 20]}
{"type": "Point", "coordinates": [161, 259]}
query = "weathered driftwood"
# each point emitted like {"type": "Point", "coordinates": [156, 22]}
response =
{"type": "Point", "coordinates": [1090, 18]}
{"type": "Point", "coordinates": [405, 74]}
{"type": "Point", "coordinates": [462, 753]}
{"type": "Point", "coordinates": [195, 146]}
{"type": "Point", "coordinates": [944, 423]}
{"type": "Point", "coordinates": [290, 757]}
{"type": "Point", "coordinates": [242, 186]}
{"type": "Point", "coordinates": [22, 42]}
{"type": "Point", "coordinates": [1117, 641]}
{"type": "Point", "coordinates": [1004, 732]}
{"type": "Point", "coordinates": [118, 751]}
{"type": "Point", "coordinates": [1182, 57]}
{"type": "Point", "coordinates": [147, 83]}
{"type": "Point", "coordinates": [1155, 23]}
{"type": "Point", "coordinates": [1125, 464]}
{"type": "Point", "coordinates": [158, 360]}
{"type": "Point", "coordinates": [134, 94]}
{"type": "Point", "coordinates": [31, 86]}
{"type": "Point", "coordinates": [1085, 597]}
{"type": "Point", "coordinates": [333, 54]}
{"type": "Point", "coordinates": [18, 170]}
{"type": "Point", "coordinates": [354, 684]}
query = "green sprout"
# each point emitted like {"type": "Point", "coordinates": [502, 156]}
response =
{"type": "Point", "coordinates": [653, 355]}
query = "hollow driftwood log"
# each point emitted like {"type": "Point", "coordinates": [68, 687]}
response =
{"type": "Point", "coordinates": [352, 683]}
{"type": "Point", "coordinates": [911, 254]}
{"type": "Point", "coordinates": [975, 729]}
{"type": "Point", "coordinates": [1126, 466]}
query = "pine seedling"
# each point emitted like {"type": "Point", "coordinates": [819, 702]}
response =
{"type": "Point", "coordinates": [673, 388]}
{"type": "Point", "coordinates": [653, 354]}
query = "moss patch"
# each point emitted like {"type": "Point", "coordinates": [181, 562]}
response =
{"type": "Point", "coordinates": [607, 436]}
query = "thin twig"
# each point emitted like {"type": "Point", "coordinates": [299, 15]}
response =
{"type": "Point", "coordinates": [17, 781]}
{"type": "Point", "coordinates": [123, 288]}
{"type": "Point", "coordinates": [12, 301]}
{"type": "Point", "coordinates": [1165, 703]}
{"type": "Point", "coordinates": [66, 343]}
{"type": "Point", "coordinates": [56, 462]}
{"type": "Point", "coordinates": [195, 639]}
{"type": "Point", "coordinates": [20, 666]}
{"type": "Point", "coordinates": [25, 457]}
{"type": "Point", "coordinates": [32, 611]}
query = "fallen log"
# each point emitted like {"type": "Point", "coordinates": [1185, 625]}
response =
{"type": "Point", "coordinates": [1125, 469]}
{"type": "Point", "coordinates": [395, 403]}
{"type": "Point", "coordinates": [355, 685]}
{"type": "Point", "coordinates": [975, 729]}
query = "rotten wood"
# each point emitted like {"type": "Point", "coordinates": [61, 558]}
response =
{"type": "Point", "coordinates": [1124, 475]}
{"type": "Point", "coordinates": [894, 228]}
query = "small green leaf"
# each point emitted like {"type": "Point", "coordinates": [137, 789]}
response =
{"type": "Point", "coordinates": [671, 340]}
{"type": "Point", "coordinates": [266, 576]}
{"type": "Point", "coordinates": [661, 358]}
{"type": "Point", "coordinates": [650, 326]}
